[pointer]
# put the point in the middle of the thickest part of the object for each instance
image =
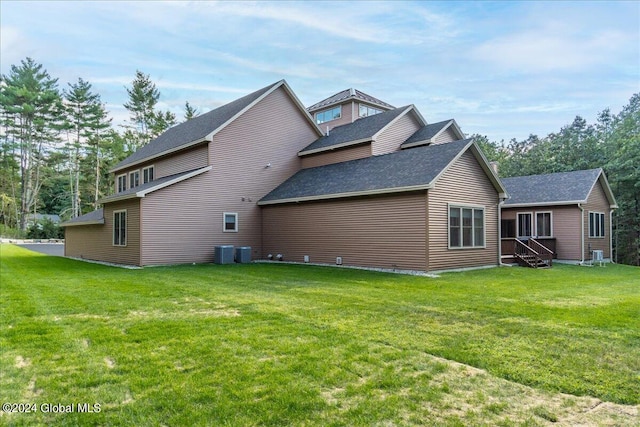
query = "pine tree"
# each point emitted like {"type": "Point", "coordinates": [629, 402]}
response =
{"type": "Point", "coordinates": [189, 111]}
{"type": "Point", "coordinates": [87, 120]}
{"type": "Point", "coordinates": [147, 121]}
{"type": "Point", "coordinates": [31, 107]}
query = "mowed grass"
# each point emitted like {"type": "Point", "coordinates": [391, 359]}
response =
{"type": "Point", "coordinates": [273, 344]}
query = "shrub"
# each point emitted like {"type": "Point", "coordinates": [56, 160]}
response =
{"type": "Point", "coordinates": [45, 229]}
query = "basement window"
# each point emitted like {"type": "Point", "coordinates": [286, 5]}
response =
{"type": "Point", "coordinates": [230, 222]}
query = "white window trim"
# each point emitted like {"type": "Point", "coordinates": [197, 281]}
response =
{"type": "Point", "coordinates": [113, 228]}
{"type": "Point", "coordinates": [484, 226]}
{"type": "Point", "coordinates": [378, 110]}
{"type": "Point", "coordinates": [133, 173]}
{"type": "Point", "coordinates": [147, 168]}
{"type": "Point", "coordinates": [224, 223]}
{"type": "Point", "coordinates": [118, 183]}
{"type": "Point", "coordinates": [531, 225]}
{"type": "Point", "coordinates": [603, 234]}
{"type": "Point", "coordinates": [550, 224]}
{"type": "Point", "coordinates": [324, 111]}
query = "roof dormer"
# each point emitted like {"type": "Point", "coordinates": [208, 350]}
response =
{"type": "Point", "coordinates": [346, 107]}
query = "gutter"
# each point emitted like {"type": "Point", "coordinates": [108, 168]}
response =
{"type": "Point", "coordinates": [347, 194]}
{"type": "Point", "coordinates": [335, 146]}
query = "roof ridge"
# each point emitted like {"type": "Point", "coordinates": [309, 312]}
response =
{"type": "Point", "coordinates": [406, 170]}
{"type": "Point", "coordinates": [555, 173]}
{"type": "Point", "coordinates": [193, 131]}
{"type": "Point", "coordinates": [346, 94]}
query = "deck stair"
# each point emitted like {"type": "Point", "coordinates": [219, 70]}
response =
{"type": "Point", "coordinates": [533, 254]}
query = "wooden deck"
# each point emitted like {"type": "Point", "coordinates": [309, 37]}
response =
{"type": "Point", "coordinates": [536, 253]}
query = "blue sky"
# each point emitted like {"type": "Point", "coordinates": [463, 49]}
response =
{"type": "Point", "coordinates": [501, 69]}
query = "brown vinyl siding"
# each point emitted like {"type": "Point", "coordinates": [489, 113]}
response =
{"type": "Point", "coordinates": [565, 224]}
{"type": "Point", "coordinates": [566, 229]}
{"type": "Point", "coordinates": [447, 136]}
{"type": "Point", "coordinates": [95, 242]}
{"type": "Point", "coordinates": [336, 156]}
{"type": "Point", "coordinates": [387, 231]}
{"type": "Point", "coordinates": [597, 202]}
{"type": "Point", "coordinates": [347, 116]}
{"type": "Point", "coordinates": [183, 223]}
{"type": "Point", "coordinates": [178, 223]}
{"type": "Point", "coordinates": [390, 139]}
{"type": "Point", "coordinates": [183, 161]}
{"type": "Point", "coordinates": [464, 183]}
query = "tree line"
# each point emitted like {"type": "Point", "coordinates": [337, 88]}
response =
{"type": "Point", "coordinates": [59, 144]}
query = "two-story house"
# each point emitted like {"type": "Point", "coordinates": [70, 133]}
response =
{"type": "Point", "coordinates": [351, 180]}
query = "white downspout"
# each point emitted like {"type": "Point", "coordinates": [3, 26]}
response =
{"type": "Point", "coordinates": [581, 233]}
{"type": "Point", "coordinates": [611, 235]}
{"type": "Point", "coordinates": [500, 202]}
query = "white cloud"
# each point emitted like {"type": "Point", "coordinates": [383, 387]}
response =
{"type": "Point", "coordinates": [501, 65]}
{"type": "Point", "coordinates": [562, 37]}
{"type": "Point", "coordinates": [537, 51]}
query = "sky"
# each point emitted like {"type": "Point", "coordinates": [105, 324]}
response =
{"type": "Point", "coordinates": [503, 69]}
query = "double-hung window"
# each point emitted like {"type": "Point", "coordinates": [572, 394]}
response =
{"type": "Point", "coordinates": [596, 224]}
{"type": "Point", "coordinates": [120, 228]}
{"type": "Point", "coordinates": [134, 179]}
{"type": "Point", "coordinates": [122, 183]}
{"type": "Point", "coordinates": [147, 174]}
{"type": "Point", "coordinates": [466, 227]}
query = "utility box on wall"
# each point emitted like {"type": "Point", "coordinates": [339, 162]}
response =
{"type": "Point", "coordinates": [243, 254]}
{"type": "Point", "coordinates": [223, 254]}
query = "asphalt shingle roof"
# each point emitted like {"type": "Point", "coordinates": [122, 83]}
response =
{"type": "Point", "coordinates": [361, 129]}
{"type": "Point", "coordinates": [346, 94]}
{"type": "Point", "coordinates": [427, 132]}
{"type": "Point", "coordinates": [415, 167]}
{"type": "Point", "coordinates": [192, 130]}
{"type": "Point", "coordinates": [551, 188]}
{"type": "Point", "coordinates": [145, 187]}
{"type": "Point", "coordinates": [95, 216]}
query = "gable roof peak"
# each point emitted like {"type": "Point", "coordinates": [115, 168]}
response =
{"type": "Point", "coordinates": [202, 128]}
{"type": "Point", "coordinates": [429, 132]}
{"type": "Point", "coordinates": [362, 130]}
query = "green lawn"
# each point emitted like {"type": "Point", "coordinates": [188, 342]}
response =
{"type": "Point", "coordinates": [273, 344]}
